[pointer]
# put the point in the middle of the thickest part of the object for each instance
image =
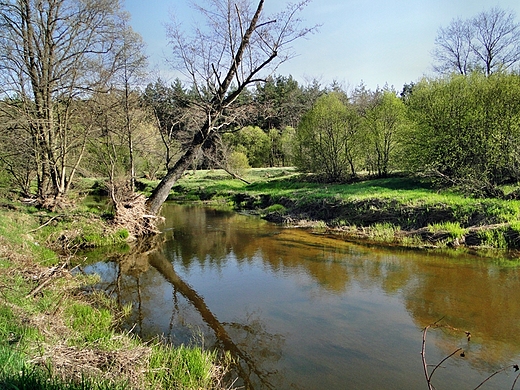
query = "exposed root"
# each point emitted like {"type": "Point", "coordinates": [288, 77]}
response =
{"type": "Point", "coordinates": [132, 214]}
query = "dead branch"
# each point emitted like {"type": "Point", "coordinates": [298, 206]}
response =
{"type": "Point", "coordinates": [516, 378]}
{"type": "Point", "coordinates": [429, 376]}
{"type": "Point", "coordinates": [45, 224]}
{"type": "Point", "coordinates": [49, 277]}
{"type": "Point", "coordinates": [495, 373]}
{"type": "Point", "coordinates": [423, 357]}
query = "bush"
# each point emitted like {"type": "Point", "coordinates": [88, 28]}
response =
{"type": "Point", "coordinates": [238, 163]}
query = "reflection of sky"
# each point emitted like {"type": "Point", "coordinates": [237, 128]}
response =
{"type": "Point", "coordinates": [106, 271]}
{"type": "Point", "coordinates": [324, 332]}
{"type": "Point", "coordinates": [323, 313]}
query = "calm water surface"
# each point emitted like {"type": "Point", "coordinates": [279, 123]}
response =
{"type": "Point", "coordinates": [303, 311]}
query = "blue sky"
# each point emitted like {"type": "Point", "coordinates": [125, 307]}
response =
{"type": "Point", "coordinates": [375, 41]}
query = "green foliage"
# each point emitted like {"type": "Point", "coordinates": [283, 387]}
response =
{"type": "Point", "coordinates": [467, 128]}
{"type": "Point", "coordinates": [11, 332]}
{"type": "Point", "coordinates": [326, 138]}
{"type": "Point", "coordinates": [276, 208]}
{"type": "Point", "coordinates": [386, 127]}
{"type": "Point", "coordinates": [238, 163]}
{"type": "Point", "coordinates": [32, 378]}
{"type": "Point", "coordinates": [180, 368]}
{"type": "Point", "coordinates": [91, 324]}
{"type": "Point", "coordinates": [453, 229]}
{"type": "Point", "coordinates": [253, 142]}
{"type": "Point", "coordinates": [493, 238]}
{"type": "Point", "coordinates": [383, 232]}
{"type": "Point", "coordinates": [83, 230]}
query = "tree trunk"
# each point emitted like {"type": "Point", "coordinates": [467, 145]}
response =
{"type": "Point", "coordinates": [161, 192]}
{"type": "Point", "coordinates": [202, 139]}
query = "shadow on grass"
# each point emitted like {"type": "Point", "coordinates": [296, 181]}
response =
{"type": "Point", "coordinates": [37, 379]}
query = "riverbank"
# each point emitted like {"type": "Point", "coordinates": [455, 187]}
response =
{"type": "Point", "coordinates": [402, 211]}
{"type": "Point", "coordinates": [56, 332]}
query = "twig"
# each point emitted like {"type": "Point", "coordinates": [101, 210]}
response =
{"type": "Point", "coordinates": [50, 277]}
{"type": "Point", "coordinates": [423, 356]}
{"type": "Point", "coordinates": [443, 360]}
{"type": "Point", "coordinates": [492, 375]}
{"type": "Point", "coordinates": [45, 224]}
{"type": "Point", "coordinates": [35, 291]}
{"type": "Point", "coordinates": [428, 375]}
{"type": "Point", "coordinates": [514, 382]}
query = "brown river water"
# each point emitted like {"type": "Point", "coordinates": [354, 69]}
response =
{"type": "Point", "coordinates": [300, 310]}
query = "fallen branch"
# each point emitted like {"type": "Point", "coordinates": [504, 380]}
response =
{"type": "Point", "coordinates": [52, 273]}
{"type": "Point", "coordinates": [45, 224]}
{"type": "Point", "coordinates": [498, 372]}
{"type": "Point", "coordinates": [429, 375]}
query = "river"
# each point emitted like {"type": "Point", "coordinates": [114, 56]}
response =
{"type": "Point", "coordinates": [300, 310]}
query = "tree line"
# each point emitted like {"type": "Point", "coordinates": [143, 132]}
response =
{"type": "Point", "coordinates": [460, 130]}
{"type": "Point", "coordinates": [71, 105]}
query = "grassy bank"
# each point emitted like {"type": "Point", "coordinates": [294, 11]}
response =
{"type": "Point", "coordinates": [56, 334]}
{"type": "Point", "coordinates": [399, 210]}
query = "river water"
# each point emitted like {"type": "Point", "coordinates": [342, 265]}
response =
{"type": "Point", "coordinates": [300, 310]}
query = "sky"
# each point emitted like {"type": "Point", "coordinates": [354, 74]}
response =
{"type": "Point", "coordinates": [374, 42]}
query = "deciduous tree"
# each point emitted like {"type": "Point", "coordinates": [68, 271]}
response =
{"type": "Point", "coordinates": [327, 138]}
{"type": "Point", "coordinates": [221, 58]}
{"type": "Point", "coordinates": [489, 42]}
{"type": "Point", "coordinates": [467, 129]}
{"type": "Point", "coordinates": [385, 126]}
{"type": "Point", "coordinates": [54, 53]}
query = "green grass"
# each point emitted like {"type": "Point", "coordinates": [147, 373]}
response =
{"type": "Point", "coordinates": [14, 337]}
{"type": "Point", "coordinates": [91, 324]}
{"type": "Point", "coordinates": [276, 208]}
{"type": "Point", "coordinates": [82, 230]}
{"type": "Point", "coordinates": [495, 238]}
{"type": "Point", "coordinates": [57, 316]}
{"type": "Point", "coordinates": [453, 229]}
{"type": "Point", "coordinates": [399, 202]}
{"type": "Point", "coordinates": [180, 368]}
{"type": "Point", "coordinates": [211, 184]}
{"type": "Point", "coordinates": [31, 378]}
{"type": "Point", "coordinates": [382, 232]}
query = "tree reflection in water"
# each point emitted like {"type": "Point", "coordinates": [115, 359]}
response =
{"type": "Point", "coordinates": [324, 311]}
{"type": "Point", "coordinates": [251, 346]}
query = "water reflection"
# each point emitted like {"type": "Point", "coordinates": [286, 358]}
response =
{"type": "Point", "coordinates": [305, 311]}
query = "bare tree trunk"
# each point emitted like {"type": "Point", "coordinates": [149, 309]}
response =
{"type": "Point", "coordinates": [161, 192]}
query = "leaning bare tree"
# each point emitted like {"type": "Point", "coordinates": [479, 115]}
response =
{"type": "Point", "coordinates": [221, 59]}
{"type": "Point", "coordinates": [489, 42]}
{"type": "Point", "coordinates": [53, 55]}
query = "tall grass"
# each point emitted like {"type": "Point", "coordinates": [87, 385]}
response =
{"type": "Point", "coordinates": [57, 318]}
{"type": "Point", "coordinates": [453, 229]}
{"type": "Point", "coordinates": [181, 368]}
{"type": "Point", "coordinates": [33, 378]}
{"type": "Point", "coordinates": [382, 232]}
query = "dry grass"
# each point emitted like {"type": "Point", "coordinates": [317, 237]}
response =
{"type": "Point", "coordinates": [70, 362]}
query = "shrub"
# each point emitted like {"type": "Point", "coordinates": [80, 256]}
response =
{"type": "Point", "coordinates": [238, 163]}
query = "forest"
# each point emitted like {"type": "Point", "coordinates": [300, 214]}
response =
{"type": "Point", "coordinates": [75, 103]}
